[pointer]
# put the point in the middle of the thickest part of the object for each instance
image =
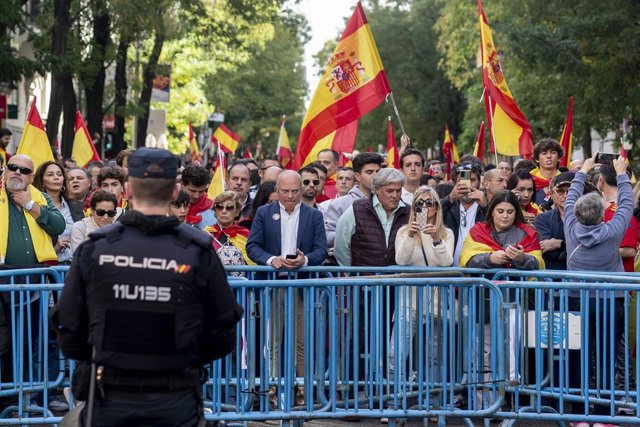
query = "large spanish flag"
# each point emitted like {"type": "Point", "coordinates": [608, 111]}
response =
{"type": "Point", "coordinates": [341, 140]}
{"type": "Point", "coordinates": [83, 150]}
{"type": "Point", "coordinates": [509, 129]}
{"type": "Point", "coordinates": [227, 139]}
{"type": "Point", "coordinates": [450, 151]}
{"type": "Point", "coordinates": [393, 156]}
{"type": "Point", "coordinates": [353, 84]}
{"type": "Point", "coordinates": [566, 140]}
{"type": "Point", "coordinates": [219, 175]}
{"type": "Point", "coordinates": [284, 147]}
{"type": "Point", "coordinates": [34, 142]}
{"type": "Point", "coordinates": [194, 150]}
{"type": "Point", "coordinates": [480, 241]}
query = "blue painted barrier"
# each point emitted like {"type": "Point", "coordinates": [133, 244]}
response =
{"type": "Point", "coordinates": [391, 346]}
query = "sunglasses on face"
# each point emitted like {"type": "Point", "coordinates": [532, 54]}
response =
{"type": "Point", "coordinates": [429, 203]}
{"type": "Point", "coordinates": [102, 212]}
{"type": "Point", "coordinates": [228, 208]}
{"type": "Point", "coordinates": [14, 168]}
{"type": "Point", "coordinates": [308, 182]}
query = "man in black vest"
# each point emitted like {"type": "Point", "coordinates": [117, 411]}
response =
{"type": "Point", "coordinates": [149, 299]}
{"type": "Point", "coordinates": [366, 232]}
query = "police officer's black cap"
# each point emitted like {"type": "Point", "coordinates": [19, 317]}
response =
{"type": "Point", "coordinates": [153, 163]}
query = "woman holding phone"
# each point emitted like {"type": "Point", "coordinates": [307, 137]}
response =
{"type": "Point", "coordinates": [504, 240]}
{"type": "Point", "coordinates": [424, 241]}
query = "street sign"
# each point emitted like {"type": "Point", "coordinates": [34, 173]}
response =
{"type": "Point", "coordinates": [216, 117]}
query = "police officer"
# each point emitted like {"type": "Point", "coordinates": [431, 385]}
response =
{"type": "Point", "coordinates": [150, 299]}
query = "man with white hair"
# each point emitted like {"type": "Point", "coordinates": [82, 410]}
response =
{"type": "Point", "coordinates": [368, 223]}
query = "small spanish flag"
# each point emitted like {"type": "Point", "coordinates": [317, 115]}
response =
{"type": "Point", "coordinates": [219, 175]}
{"type": "Point", "coordinates": [83, 150]}
{"type": "Point", "coordinates": [34, 142]}
{"type": "Point", "coordinates": [450, 151]}
{"type": "Point", "coordinates": [194, 150]}
{"type": "Point", "coordinates": [393, 157]}
{"type": "Point", "coordinates": [566, 140]}
{"type": "Point", "coordinates": [478, 150]}
{"type": "Point", "coordinates": [284, 146]}
{"type": "Point", "coordinates": [227, 139]}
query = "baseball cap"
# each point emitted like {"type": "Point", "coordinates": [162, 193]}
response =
{"type": "Point", "coordinates": [564, 178]}
{"type": "Point", "coordinates": [148, 162]}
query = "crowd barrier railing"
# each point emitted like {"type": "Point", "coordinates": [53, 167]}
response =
{"type": "Point", "coordinates": [334, 342]}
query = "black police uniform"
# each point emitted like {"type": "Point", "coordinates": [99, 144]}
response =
{"type": "Point", "coordinates": [151, 298]}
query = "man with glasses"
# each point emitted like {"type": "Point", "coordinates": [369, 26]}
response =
{"type": "Point", "coordinates": [310, 185]}
{"type": "Point", "coordinates": [25, 208]}
{"type": "Point", "coordinates": [493, 182]}
{"type": "Point", "coordinates": [465, 204]}
{"type": "Point", "coordinates": [550, 224]}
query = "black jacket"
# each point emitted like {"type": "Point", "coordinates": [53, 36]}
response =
{"type": "Point", "coordinates": [451, 216]}
{"type": "Point", "coordinates": [149, 294]}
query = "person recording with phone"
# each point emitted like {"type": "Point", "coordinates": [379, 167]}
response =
{"type": "Point", "coordinates": [465, 205]}
{"type": "Point", "coordinates": [424, 241]}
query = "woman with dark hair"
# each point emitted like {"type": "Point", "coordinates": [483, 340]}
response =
{"type": "Point", "coordinates": [103, 212]}
{"type": "Point", "coordinates": [180, 206]}
{"type": "Point", "coordinates": [504, 240]}
{"type": "Point", "coordinates": [51, 178]}
{"type": "Point", "coordinates": [523, 186]}
{"type": "Point", "coordinates": [266, 194]}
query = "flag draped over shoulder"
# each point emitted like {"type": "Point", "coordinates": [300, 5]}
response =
{"type": "Point", "coordinates": [83, 150]}
{"type": "Point", "coordinates": [450, 151]}
{"type": "Point", "coordinates": [566, 140]}
{"type": "Point", "coordinates": [217, 182]}
{"type": "Point", "coordinates": [194, 150]}
{"type": "Point", "coordinates": [509, 129]}
{"type": "Point", "coordinates": [34, 142]}
{"type": "Point", "coordinates": [227, 139]}
{"type": "Point", "coordinates": [480, 241]}
{"type": "Point", "coordinates": [393, 156]}
{"type": "Point", "coordinates": [237, 236]}
{"type": "Point", "coordinates": [284, 146]}
{"type": "Point", "coordinates": [353, 84]}
{"type": "Point", "coordinates": [478, 150]}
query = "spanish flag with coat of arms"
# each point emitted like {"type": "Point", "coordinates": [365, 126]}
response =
{"type": "Point", "coordinates": [353, 84]}
{"type": "Point", "coordinates": [509, 129]}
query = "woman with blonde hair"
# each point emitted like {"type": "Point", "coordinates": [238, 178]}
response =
{"type": "Point", "coordinates": [424, 241]}
{"type": "Point", "coordinates": [230, 239]}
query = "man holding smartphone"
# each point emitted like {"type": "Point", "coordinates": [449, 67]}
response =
{"type": "Point", "coordinates": [465, 204]}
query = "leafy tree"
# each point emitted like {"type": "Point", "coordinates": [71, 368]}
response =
{"type": "Point", "coordinates": [268, 85]}
{"type": "Point", "coordinates": [551, 50]}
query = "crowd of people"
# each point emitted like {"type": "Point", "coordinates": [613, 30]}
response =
{"type": "Point", "coordinates": [526, 215]}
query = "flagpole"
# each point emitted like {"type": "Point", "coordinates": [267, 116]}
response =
{"type": "Point", "coordinates": [395, 109]}
{"type": "Point", "coordinates": [493, 137]}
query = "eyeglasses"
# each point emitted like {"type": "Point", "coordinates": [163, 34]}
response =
{"type": "Point", "coordinates": [308, 181]}
{"type": "Point", "coordinates": [14, 168]}
{"type": "Point", "coordinates": [428, 203]}
{"type": "Point", "coordinates": [228, 208]}
{"type": "Point", "coordinates": [102, 212]}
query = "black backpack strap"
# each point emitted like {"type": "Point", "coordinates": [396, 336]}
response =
{"type": "Point", "coordinates": [188, 235]}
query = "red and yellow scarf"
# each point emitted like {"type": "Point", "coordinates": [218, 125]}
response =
{"type": "Point", "coordinates": [236, 235]}
{"type": "Point", "coordinates": [480, 241]}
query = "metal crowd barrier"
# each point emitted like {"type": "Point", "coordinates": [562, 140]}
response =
{"type": "Point", "coordinates": [317, 344]}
